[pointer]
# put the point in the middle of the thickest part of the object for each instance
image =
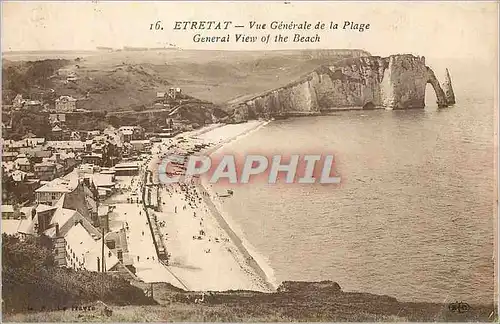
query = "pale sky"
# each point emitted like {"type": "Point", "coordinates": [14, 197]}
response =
{"type": "Point", "coordinates": [434, 29]}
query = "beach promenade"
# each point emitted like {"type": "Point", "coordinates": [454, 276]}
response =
{"type": "Point", "coordinates": [142, 251]}
{"type": "Point", "coordinates": [205, 253]}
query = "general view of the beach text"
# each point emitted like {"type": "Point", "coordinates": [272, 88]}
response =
{"type": "Point", "coordinates": [249, 161]}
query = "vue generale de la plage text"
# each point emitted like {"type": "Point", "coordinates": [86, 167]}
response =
{"type": "Point", "coordinates": [208, 31]}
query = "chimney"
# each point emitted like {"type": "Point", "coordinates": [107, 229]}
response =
{"type": "Point", "coordinates": [57, 230]}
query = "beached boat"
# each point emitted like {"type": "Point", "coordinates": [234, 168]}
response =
{"type": "Point", "coordinates": [228, 193]}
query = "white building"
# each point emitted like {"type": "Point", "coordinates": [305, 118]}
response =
{"type": "Point", "coordinates": [65, 104]}
{"type": "Point", "coordinates": [84, 252]}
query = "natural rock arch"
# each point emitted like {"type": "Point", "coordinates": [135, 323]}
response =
{"type": "Point", "coordinates": [441, 98]}
{"type": "Point", "coordinates": [369, 106]}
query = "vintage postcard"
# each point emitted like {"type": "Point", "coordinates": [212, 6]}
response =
{"type": "Point", "coordinates": [249, 161]}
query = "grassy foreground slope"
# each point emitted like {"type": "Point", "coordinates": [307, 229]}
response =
{"type": "Point", "coordinates": [313, 306]}
{"type": "Point", "coordinates": [33, 287]}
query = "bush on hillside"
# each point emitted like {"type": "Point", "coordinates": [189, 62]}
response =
{"type": "Point", "coordinates": [31, 280]}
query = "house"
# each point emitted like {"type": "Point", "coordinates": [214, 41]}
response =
{"type": "Point", "coordinates": [34, 141]}
{"type": "Point", "coordinates": [46, 171]}
{"type": "Point", "coordinates": [27, 212]}
{"type": "Point", "coordinates": [173, 93]}
{"type": "Point", "coordinates": [67, 160]}
{"type": "Point", "coordinates": [92, 134]}
{"type": "Point", "coordinates": [126, 169]}
{"type": "Point", "coordinates": [22, 163]}
{"type": "Point", "coordinates": [18, 101]}
{"type": "Point", "coordinates": [127, 135]}
{"type": "Point", "coordinates": [7, 211]}
{"type": "Point", "coordinates": [42, 216]}
{"type": "Point", "coordinates": [19, 186]}
{"type": "Point", "coordinates": [130, 133]}
{"type": "Point", "coordinates": [20, 223]}
{"type": "Point", "coordinates": [66, 219]}
{"type": "Point", "coordinates": [58, 119]}
{"type": "Point", "coordinates": [51, 192]}
{"type": "Point", "coordinates": [19, 176]}
{"type": "Point", "coordinates": [77, 204]}
{"type": "Point", "coordinates": [72, 146]}
{"type": "Point", "coordinates": [75, 136]}
{"type": "Point", "coordinates": [20, 226]}
{"type": "Point", "coordinates": [103, 180]}
{"type": "Point", "coordinates": [92, 158]}
{"type": "Point", "coordinates": [84, 252]}
{"type": "Point", "coordinates": [160, 97]}
{"type": "Point", "coordinates": [72, 77]}
{"type": "Point", "coordinates": [57, 133]}
{"type": "Point", "coordinates": [77, 243]}
{"type": "Point", "coordinates": [140, 146]}
{"type": "Point", "coordinates": [65, 104]}
{"type": "Point", "coordinates": [33, 104]}
{"type": "Point", "coordinates": [9, 156]}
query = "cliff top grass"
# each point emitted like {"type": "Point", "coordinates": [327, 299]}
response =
{"type": "Point", "coordinates": [117, 81]}
{"type": "Point", "coordinates": [311, 306]}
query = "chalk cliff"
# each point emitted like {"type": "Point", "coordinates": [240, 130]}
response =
{"type": "Point", "coordinates": [366, 82]}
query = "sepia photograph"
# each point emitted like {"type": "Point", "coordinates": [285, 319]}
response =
{"type": "Point", "coordinates": [241, 161]}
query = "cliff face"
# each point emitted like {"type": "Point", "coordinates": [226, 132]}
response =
{"type": "Point", "coordinates": [394, 82]}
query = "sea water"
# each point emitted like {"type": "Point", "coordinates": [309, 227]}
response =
{"type": "Point", "coordinates": [414, 217]}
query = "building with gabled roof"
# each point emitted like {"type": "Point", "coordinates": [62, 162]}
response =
{"type": "Point", "coordinates": [52, 191]}
{"type": "Point", "coordinates": [84, 252]}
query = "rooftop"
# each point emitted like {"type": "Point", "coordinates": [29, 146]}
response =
{"type": "Point", "coordinates": [62, 216]}
{"type": "Point", "coordinates": [126, 165]}
{"type": "Point", "coordinates": [42, 208]}
{"type": "Point", "coordinates": [14, 226]}
{"type": "Point", "coordinates": [66, 144]}
{"type": "Point", "coordinates": [7, 209]}
{"type": "Point", "coordinates": [103, 180]}
{"type": "Point", "coordinates": [59, 185]}
{"type": "Point", "coordinates": [83, 244]}
{"type": "Point", "coordinates": [22, 161]}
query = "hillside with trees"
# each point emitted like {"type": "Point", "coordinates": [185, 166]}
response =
{"type": "Point", "coordinates": [32, 281]}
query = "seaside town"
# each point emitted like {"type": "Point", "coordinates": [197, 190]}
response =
{"type": "Point", "coordinates": [97, 196]}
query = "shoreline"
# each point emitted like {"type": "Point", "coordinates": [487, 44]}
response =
{"type": "Point", "coordinates": [236, 239]}
{"type": "Point", "coordinates": [207, 254]}
{"type": "Point", "coordinates": [223, 219]}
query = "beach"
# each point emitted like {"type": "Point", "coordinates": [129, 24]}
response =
{"type": "Point", "coordinates": [206, 253]}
